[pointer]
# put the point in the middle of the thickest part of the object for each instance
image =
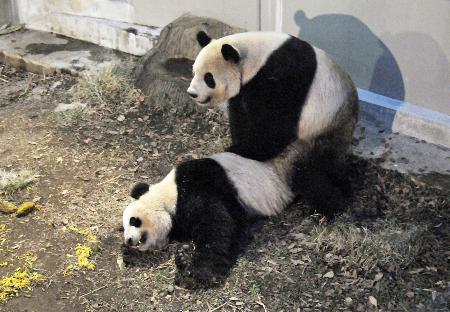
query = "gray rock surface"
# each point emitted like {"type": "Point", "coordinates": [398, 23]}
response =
{"type": "Point", "coordinates": [164, 73]}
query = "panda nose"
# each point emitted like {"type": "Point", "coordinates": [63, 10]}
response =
{"type": "Point", "coordinates": [193, 95]}
{"type": "Point", "coordinates": [130, 242]}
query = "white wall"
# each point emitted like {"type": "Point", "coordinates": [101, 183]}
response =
{"type": "Point", "coordinates": [399, 49]}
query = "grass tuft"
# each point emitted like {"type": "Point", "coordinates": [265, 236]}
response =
{"type": "Point", "coordinates": [364, 250]}
{"type": "Point", "coordinates": [110, 87]}
{"type": "Point", "coordinates": [12, 181]}
{"type": "Point", "coordinates": [69, 117]}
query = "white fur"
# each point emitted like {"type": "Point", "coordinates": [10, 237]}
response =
{"type": "Point", "coordinates": [257, 183]}
{"type": "Point", "coordinates": [328, 91]}
{"type": "Point", "coordinates": [154, 209]}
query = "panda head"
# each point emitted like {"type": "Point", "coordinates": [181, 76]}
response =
{"type": "Point", "coordinates": [147, 221]}
{"type": "Point", "coordinates": [216, 72]}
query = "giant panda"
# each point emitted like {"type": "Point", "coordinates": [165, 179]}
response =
{"type": "Point", "coordinates": [212, 202]}
{"type": "Point", "coordinates": [287, 102]}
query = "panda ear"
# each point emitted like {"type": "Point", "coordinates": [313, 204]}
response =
{"type": "Point", "coordinates": [230, 54]}
{"type": "Point", "coordinates": [203, 39]}
{"type": "Point", "coordinates": [139, 189]}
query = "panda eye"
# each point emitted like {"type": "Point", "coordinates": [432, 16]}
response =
{"type": "Point", "coordinates": [135, 222]}
{"type": "Point", "coordinates": [209, 80]}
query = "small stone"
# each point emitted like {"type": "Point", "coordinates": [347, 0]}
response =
{"type": "Point", "coordinates": [56, 85]}
{"type": "Point", "coordinates": [348, 301]}
{"type": "Point", "coordinates": [121, 118]}
{"type": "Point", "coordinates": [329, 274]}
{"type": "Point", "coordinates": [170, 289]}
{"type": "Point", "coordinates": [185, 246]}
{"type": "Point", "coordinates": [63, 107]}
{"type": "Point", "coordinates": [378, 277]}
{"type": "Point", "coordinates": [373, 301]}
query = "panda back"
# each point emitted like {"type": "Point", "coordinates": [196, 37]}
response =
{"type": "Point", "coordinates": [257, 183]}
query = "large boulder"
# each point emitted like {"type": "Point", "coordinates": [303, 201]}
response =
{"type": "Point", "coordinates": [164, 73]}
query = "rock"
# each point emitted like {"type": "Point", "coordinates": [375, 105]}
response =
{"type": "Point", "coordinates": [373, 301]}
{"type": "Point", "coordinates": [164, 73]}
{"type": "Point", "coordinates": [348, 301]}
{"type": "Point", "coordinates": [55, 85]}
{"type": "Point", "coordinates": [170, 289]}
{"type": "Point", "coordinates": [62, 107]}
{"type": "Point", "coordinates": [329, 274]}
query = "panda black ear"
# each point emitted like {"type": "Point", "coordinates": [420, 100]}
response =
{"type": "Point", "coordinates": [230, 54]}
{"type": "Point", "coordinates": [139, 189]}
{"type": "Point", "coordinates": [203, 39]}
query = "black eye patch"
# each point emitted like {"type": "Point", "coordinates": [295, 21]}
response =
{"type": "Point", "coordinates": [209, 80]}
{"type": "Point", "coordinates": [135, 222]}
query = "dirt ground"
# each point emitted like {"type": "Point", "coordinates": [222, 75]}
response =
{"type": "Point", "coordinates": [389, 252]}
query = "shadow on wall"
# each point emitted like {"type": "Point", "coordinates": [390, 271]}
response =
{"type": "Point", "coordinates": [357, 49]}
{"type": "Point", "coordinates": [425, 67]}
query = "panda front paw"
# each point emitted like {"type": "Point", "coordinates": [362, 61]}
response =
{"type": "Point", "coordinates": [183, 257]}
{"type": "Point", "coordinates": [190, 276]}
{"type": "Point", "coordinates": [196, 278]}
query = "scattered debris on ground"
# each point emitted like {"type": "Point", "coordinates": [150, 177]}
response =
{"type": "Point", "coordinates": [389, 251]}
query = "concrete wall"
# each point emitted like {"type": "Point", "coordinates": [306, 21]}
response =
{"type": "Point", "coordinates": [7, 12]}
{"type": "Point", "coordinates": [145, 12]}
{"type": "Point", "coordinates": [399, 49]}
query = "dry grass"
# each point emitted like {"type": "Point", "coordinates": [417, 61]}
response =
{"type": "Point", "coordinates": [12, 181]}
{"type": "Point", "coordinates": [364, 250]}
{"type": "Point", "coordinates": [69, 117]}
{"type": "Point", "coordinates": [111, 86]}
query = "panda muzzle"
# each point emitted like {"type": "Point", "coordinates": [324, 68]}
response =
{"type": "Point", "coordinates": [131, 243]}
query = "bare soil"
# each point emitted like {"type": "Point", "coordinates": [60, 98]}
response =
{"type": "Point", "coordinates": [389, 252]}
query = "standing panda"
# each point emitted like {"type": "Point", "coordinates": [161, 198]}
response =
{"type": "Point", "coordinates": [287, 102]}
{"type": "Point", "coordinates": [210, 201]}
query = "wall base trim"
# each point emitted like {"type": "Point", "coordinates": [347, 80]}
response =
{"type": "Point", "coordinates": [405, 118]}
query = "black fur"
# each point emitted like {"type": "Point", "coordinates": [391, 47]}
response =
{"type": "Point", "coordinates": [264, 115]}
{"type": "Point", "coordinates": [209, 80]}
{"type": "Point", "coordinates": [319, 174]}
{"type": "Point", "coordinates": [209, 214]}
{"type": "Point", "coordinates": [139, 189]}
{"type": "Point", "coordinates": [203, 39]}
{"type": "Point", "coordinates": [136, 222]}
{"type": "Point", "coordinates": [230, 54]}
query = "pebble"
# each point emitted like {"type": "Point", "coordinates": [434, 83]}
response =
{"type": "Point", "coordinates": [348, 301]}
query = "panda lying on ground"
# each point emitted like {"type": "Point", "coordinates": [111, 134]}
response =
{"type": "Point", "coordinates": [210, 201]}
{"type": "Point", "coordinates": [287, 101]}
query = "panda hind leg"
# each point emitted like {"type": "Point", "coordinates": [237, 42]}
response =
{"type": "Point", "coordinates": [318, 189]}
{"type": "Point", "coordinates": [214, 254]}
